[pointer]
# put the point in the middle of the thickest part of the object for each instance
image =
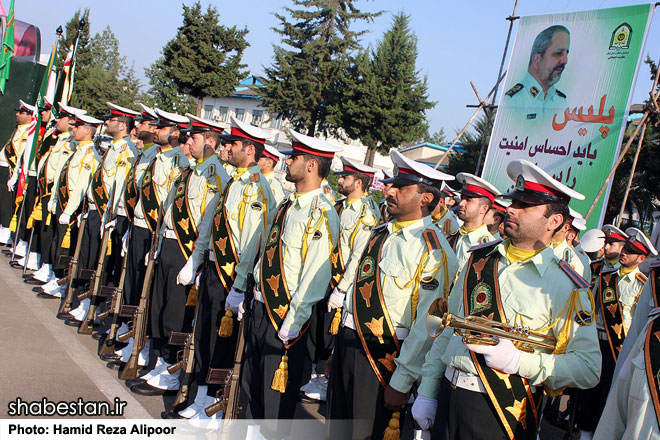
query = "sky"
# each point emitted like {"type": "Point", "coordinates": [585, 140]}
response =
{"type": "Point", "coordinates": [458, 41]}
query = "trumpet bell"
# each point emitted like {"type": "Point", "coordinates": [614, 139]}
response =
{"type": "Point", "coordinates": [435, 319]}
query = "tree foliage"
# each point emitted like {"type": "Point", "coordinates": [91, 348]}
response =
{"type": "Point", "coordinates": [204, 58]}
{"type": "Point", "coordinates": [471, 141]}
{"type": "Point", "coordinates": [101, 73]}
{"type": "Point", "coordinates": [385, 103]}
{"type": "Point", "coordinates": [307, 74]}
{"type": "Point", "coordinates": [163, 93]}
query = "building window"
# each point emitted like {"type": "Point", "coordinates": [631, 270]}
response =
{"type": "Point", "coordinates": [240, 114]}
{"type": "Point", "coordinates": [222, 113]}
{"type": "Point", "coordinates": [257, 117]}
{"type": "Point", "coordinates": [275, 121]}
{"type": "Point", "coordinates": [208, 111]}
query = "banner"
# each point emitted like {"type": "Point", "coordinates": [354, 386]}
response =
{"type": "Point", "coordinates": [566, 99]}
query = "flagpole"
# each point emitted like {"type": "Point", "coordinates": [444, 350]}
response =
{"type": "Point", "coordinates": [81, 25]}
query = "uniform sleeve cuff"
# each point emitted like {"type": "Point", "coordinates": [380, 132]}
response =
{"type": "Point", "coordinates": [240, 283]}
{"type": "Point", "coordinates": [529, 365]}
{"type": "Point", "coordinates": [400, 382]}
{"type": "Point", "coordinates": [429, 387]}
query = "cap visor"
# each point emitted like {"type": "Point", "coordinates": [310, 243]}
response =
{"type": "Point", "coordinates": [524, 198]}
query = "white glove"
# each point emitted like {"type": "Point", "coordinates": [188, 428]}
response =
{"type": "Point", "coordinates": [109, 226]}
{"type": "Point", "coordinates": [504, 356]}
{"type": "Point", "coordinates": [52, 204]}
{"type": "Point", "coordinates": [146, 257]}
{"type": "Point", "coordinates": [423, 411]}
{"type": "Point", "coordinates": [80, 217]}
{"type": "Point", "coordinates": [287, 335]}
{"type": "Point", "coordinates": [336, 299]}
{"type": "Point", "coordinates": [241, 310]}
{"type": "Point", "coordinates": [187, 273]}
{"type": "Point", "coordinates": [124, 244]}
{"type": "Point", "coordinates": [64, 219]}
{"type": "Point", "coordinates": [11, 183]}
{"type": "Point", "coordinates": [234, 300]}
{"type": "Point", "coordinates": [198, 280]}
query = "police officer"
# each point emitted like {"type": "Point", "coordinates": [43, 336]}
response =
{"type": "Point", "coordinates": [444, 217]}
{"type": "Point", "coordinates": [535, 97]}
{"type": "Point", "coordinates": [290, 276]}
{"type": "Point", "coordinates": [477, 197]}
{"type": "Point", "coordinates": [492, 391]}
{"type": "Point", "coordinates": [616, 292]}
{"type": "Point", "coordinates": [566, 252]}
{"type": "Point", "coordinates": [236, 231]}
{"type": "Point", "coordinates": [267, 163]}
{"type": "Point", "coordinates": [49, 170]}
{"type": "Point", "coordinates": [406, 264]}
{"type": "Point", "coordinates": [9, 155]}
{"type": "Point", "coordinates": [495, 217]}
{"type": "Point", "coordinates": [382, 206]}
{"type": "Point", "coordinates": [65, 202]}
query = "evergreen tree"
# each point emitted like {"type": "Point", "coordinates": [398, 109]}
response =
{"type": "Point", "coordinates": [164, 94]}
{"type": "Point", "coordinates": [385, 102]}
{"type": "Point", "coordinates": [439, 137]}
{"type": "Point", "coordinates": [204, 58]}
{"type": "Point", "coordinates": [471, 142]}
{"type": "Point", "coordinates": [307, 74]}
{"type": "Point", "coordinates": [69, 38]}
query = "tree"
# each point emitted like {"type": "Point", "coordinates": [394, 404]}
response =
{"type": "Point", "coordinates": [70, 33]}
{"type": "Point", "coordinates": [307, 74]}
{"type": "Point", "coordinates": [204, 58]}
{"type": "Point", "coordinates": [439, 137]}
{"type": "Point", "coordinates": [385, 103]}
{"type": "Point", "coordinates": [471, 142]}
{"type": "Point", "coordinates": [164, 94]}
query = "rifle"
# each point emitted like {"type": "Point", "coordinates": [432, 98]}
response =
{"type": "Point", "coordinates": [87, 325]}
{"type": "Point", "coordinates": [229, 378]}
{"type": "Point", "coordinates": [29, 246]}
{"type": "Point", "coordinates": [18, 228]}
{"type": "Point", "coordinates": [186, 362]}
{"type": "Point", "coordinates": [115, 307]}
{"type": "Point", "coordinates": [72, 266]}
{"type": "Point", "coordinates": [141, 316]}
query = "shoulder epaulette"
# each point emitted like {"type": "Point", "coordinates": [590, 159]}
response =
{"type": "Point", "coordinates": [515, 89]}
{"type": "Point", "coordinates": [573, 275]}
{"type": "Point", "coordinates": [655, 264]}
{"type": "Point", "coordinates": [560, 93]}
{"type": "Point", "coordinates": [485, 245]}
{"type": "Point", "coordinates": [255, 177]}
{"type": "Point", "coordinates": [431, 239]}
{"type": "Point", "coordinates": [609, 269]}
{"type": "Point", "coordinates": [641, 277]}
{"type": "Point", "coordinates": [654, 312]}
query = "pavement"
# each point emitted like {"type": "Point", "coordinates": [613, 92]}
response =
{"type": "Point", "coordinates": [43, 358]}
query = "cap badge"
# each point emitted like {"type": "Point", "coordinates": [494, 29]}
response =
{"type": "Point", "coordinates": [534, 91]}
{"type": "Point", "coordinates": [520, 183]}
{"type": "Point", "coordinates": [396, 170]}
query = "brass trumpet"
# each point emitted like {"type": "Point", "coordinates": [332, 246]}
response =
{"type": "Point", "coordinates": [482, 331]}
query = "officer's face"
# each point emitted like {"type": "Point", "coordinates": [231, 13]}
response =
{"type": "Point", "coordinates": [63, 124]}
{"type": "Point", "coordinates": [296, 168]}
{"type": "Point", "coordinates": [528, 227]}
{"type": "Point", "coordinates": [240, 154]}
{"type": "Point", "coordinates": [550, 65]}
{"type": "Point", "coordinates": [163, 135]}
{"type": "Point", "coordinates": [407, 202]}
{"type": "Point", "coordinates": [82, 132]}
{"type": "Point", "coordinates": [45, 116]}
{"type": "Point", "coordinates": [224, 151]}
{"type": "Point", "coordinates": [346, 184]}
{"type": "Point", "coordinates": [630, 258]}
{"type": "Point", "coordinates": [266, 164]}
{"type": "Point", "coordinates": [613, 249]}
{"type": "Point", "coordinates": [23, 118]}
{"type": "Point", "coordinates": [471, 208]}
{"type": "Point", "coordinates": [114, 126]}
{"type": "Point", "coordinates": [196, 144]}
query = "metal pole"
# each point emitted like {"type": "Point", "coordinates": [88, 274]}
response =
{"type": "Point", "coordinates": [630, 178]}
{"type": "Point", "coordinates": [489, 114]}
{"type": "Point", "coordinates": [476, 112]}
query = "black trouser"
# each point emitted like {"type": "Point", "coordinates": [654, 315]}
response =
{"type": "Point", "coordinates": [321, 341]}
{"type": "Point", "coordinates": [212, 351]}
{"type": "Point", "coordinates": [91, 242]}
{"type": "Point", "coordinates": [56, 249]}
{"type": "Point", "coordinates": [29, 196]}
{"type": "Point", "coordinates": [6, 198]}
{"type": "Point", "coordinates": [591, 402]}
{"type": "Point", "coordinates": [464, 414]}
{"type": "Point", "coordinates": [46, 232]}
{"type": "Point", "coordinates": [263, 354]}
{"type": "Point", "coordinates": [168, 301]}
{"type": "Point", "coordinates": [113, 269]}
{"type": "Point", "coordinates": [355, 396]}
{"type": "Point", "coordinates": [138, 246]}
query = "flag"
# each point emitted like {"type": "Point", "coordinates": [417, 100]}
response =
{"type": "Point", "coordinates": [66, 68]}
{"type": "Point", "coordinates": [7, 48]}
{"type": "Point", "coordinates": [35, 123]}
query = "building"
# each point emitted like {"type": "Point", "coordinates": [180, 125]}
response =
{"type": "Point", "coordinates": [430, 153]}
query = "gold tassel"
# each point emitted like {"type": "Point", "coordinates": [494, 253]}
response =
{"type": "Point", "coordinates": [48, 219]}
{"type": "Point", "coordinates": [36, 212]}
{"type": "Point", "coordinates": [30, 223]}
{"type": "Point", "coordinates": [191, 301]}
{"type": "Point", "coordinates": [334, 326]}
{"type": "Point", "coordinates": [393, 432]}
{"type": "Point", "coordinates": [12, 224]}
{"type": "Point", "coordinates": [226, 324]}
{"type": "Point", "coordinates": [281, 375]}
{"type": "Point", "coordinates": [66, 241]}
{"type": "Point", "coordinates": [108, 251]}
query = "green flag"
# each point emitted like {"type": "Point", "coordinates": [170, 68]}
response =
{"type": "Point", "coordinates": [7, 48]}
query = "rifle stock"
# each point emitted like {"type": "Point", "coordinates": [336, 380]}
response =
{"type": "Point", "coordinates": [117, 300]}
{"type": "Point", "coordinates": [140, 320]}
{"type": "Point", "coordinates": [186, 365]}
{"type": "Point", "coordinates": [87, 325]}
{"type": "Point", "coordinates": [65, 307]}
